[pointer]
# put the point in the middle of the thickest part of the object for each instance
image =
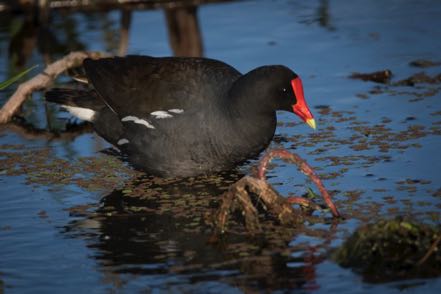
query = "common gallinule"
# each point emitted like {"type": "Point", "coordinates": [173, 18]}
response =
{"type": "Point", "coordinates": [184, 116]}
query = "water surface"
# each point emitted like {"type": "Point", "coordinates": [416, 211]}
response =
{"type": "Point", "coordinates": [376, 147]}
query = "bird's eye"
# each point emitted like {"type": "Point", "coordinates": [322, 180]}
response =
{"type": "Point", "coordinates": [284, 89]}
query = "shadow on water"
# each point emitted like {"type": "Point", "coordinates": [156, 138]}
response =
{"type": "Point", "coordinates": [163, 227]}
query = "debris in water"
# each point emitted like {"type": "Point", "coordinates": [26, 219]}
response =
{"type": "Point", "coordinates": [382, 76]}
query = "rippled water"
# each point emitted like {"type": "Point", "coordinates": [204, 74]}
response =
{"type": "Point", "coordinates": [377, 147]}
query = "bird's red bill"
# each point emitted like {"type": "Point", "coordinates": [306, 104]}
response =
{"type": "Point", "coordinates": [300, 108]}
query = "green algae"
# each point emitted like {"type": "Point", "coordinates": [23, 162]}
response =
{"type": "Point", "coordinates": [392, 250]}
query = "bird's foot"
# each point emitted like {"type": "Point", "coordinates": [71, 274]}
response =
{"type": "Point", "coordinates": [239, 196]}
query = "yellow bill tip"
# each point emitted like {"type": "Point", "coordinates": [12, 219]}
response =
{"type": "Point", "coordinates": [311, 122]}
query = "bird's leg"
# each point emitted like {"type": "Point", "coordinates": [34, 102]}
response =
{"type": "Point", "coordinates": [272, 201]}
{"type": "Point", "coordinates": [305, 168]}
{"type": "Point", "coordinates": [238, 192]}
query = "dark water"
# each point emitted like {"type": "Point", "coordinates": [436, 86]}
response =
{"type": "Point", "coordinates": [377, 147]}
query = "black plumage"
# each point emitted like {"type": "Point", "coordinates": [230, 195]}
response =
{"type": "Point", "coordinates": [182, 116]}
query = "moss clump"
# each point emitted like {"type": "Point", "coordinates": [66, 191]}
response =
{"type": "Point", "coordinates": [392, 250]}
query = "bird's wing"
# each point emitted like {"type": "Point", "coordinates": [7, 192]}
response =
{"type": "Point", "coordinates": [139, 85]}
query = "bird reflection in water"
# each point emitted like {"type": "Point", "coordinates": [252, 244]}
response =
{"type": "Point", "coordinates": [159, 226]}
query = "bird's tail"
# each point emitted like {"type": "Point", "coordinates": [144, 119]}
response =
{"type": "Point", "coordinates": [81, 103]}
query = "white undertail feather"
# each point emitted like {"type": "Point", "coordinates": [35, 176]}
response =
{"type": "Point", "coordinates": [82, 113]}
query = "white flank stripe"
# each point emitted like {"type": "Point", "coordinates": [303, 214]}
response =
{"type": "Point", "coordinates": [129, 118]}
{"type": "Point", "coordinates": [122, 141]}
{"type": "Point", "coordinates": [137, 120]}
{"type": "Point", "coordinates": [82, 113]}
{"type": "Point", "coordinates": [144, 122]}
{"type": "Point", "coordinates": [176, 110]}
{"type": "Point", "coordinates": [161, 114]}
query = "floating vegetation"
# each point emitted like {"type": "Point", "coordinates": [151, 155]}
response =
{"type": "Point", "coordinates": [98, 173]}
{"type": "Point", "coordinates": [393, 250]}
{"type": "Point", "coordinates": [424, 63]}
{"type": "Point", "coordinates": [382, 76]}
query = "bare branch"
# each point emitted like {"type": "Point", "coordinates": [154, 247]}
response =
{"type": "Point", "coordinates": [42, 80]}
